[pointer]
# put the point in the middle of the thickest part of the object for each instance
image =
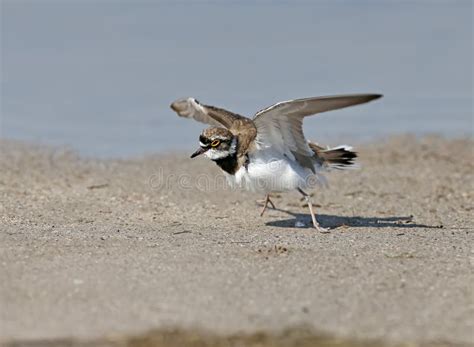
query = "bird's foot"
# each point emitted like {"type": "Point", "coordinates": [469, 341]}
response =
{"type": "Point", "coordinates": [265, 203]}
{"type": "Point", "coordinates": [321, 229]}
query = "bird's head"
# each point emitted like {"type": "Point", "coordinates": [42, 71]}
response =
{"type": "Point", "coordinates": [216, 143]}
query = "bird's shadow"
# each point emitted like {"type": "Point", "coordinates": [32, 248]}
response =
{"type": "Point", "coordinates": [332, 222]}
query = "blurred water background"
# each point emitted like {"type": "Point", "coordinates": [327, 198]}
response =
{"type": "Point", "coordinates": [99, 75]}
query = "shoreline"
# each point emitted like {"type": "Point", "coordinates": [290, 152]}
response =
{"type": "Point", "coordinates": [343, 139]}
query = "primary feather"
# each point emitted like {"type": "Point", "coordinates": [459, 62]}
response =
{"type": "Point", "coordinates": [281, 125]}
{"type": "Point", "coordinates": [191, 108]}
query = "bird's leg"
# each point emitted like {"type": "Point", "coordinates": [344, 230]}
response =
{"type": "Point", "coordinates": [313, 216]}
{"type": "Point", "coordinates": [266, 201]}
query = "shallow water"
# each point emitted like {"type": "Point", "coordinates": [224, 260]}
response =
{"type": "Point", "coordinates": [99, 76]}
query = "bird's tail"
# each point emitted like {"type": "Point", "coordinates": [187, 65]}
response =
{"type": "Point", "coordinates": [342, 157]}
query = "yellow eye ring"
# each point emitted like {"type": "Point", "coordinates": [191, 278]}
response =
{"type": "Point", "coordinates": [215, 143]}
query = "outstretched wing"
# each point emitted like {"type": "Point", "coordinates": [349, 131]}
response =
{"type": "Point", "coordinates": [281, 125]}
{"type": "Point", "coordinates": [191, 108]}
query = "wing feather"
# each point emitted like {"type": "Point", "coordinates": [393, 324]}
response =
{"type": "Point", "coordinates": [281, 125]}
{"type": "Point", "coordinates": [191, 108]}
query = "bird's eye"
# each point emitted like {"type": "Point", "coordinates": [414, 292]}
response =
{"type": "Point", "coordinates": [215, 143]}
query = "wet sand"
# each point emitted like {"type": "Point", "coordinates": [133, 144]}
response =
{"type": "Point", "coordinates": [97, 249]}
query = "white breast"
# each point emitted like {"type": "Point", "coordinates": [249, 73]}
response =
{"type": "Point", "coordinates": [270, 171]}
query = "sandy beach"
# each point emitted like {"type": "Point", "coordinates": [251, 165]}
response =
{"type": "Point", "coordinates": [93, 251]}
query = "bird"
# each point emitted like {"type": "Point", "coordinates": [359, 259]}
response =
{"type": "Point", "coordinates": [269, 153]}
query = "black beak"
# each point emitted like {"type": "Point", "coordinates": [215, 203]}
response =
{"type": "Point", "coordinates": [199, 152]}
